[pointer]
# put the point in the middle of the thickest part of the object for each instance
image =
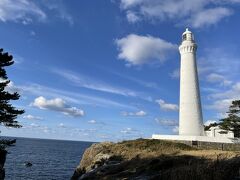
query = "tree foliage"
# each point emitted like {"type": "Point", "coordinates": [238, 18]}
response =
{"type": "Point", "coordinates": [231, 122]}
{"type": "Point", "coordinates": [8, 113]}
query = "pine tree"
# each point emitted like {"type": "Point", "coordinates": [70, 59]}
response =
{"type": "Point", "coordinates": [8, 113]}
{"type": "Point", "coordinates": [235, 107]}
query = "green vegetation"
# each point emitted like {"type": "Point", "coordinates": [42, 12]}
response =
{"type": "Point", "coordinates": [8, 113]}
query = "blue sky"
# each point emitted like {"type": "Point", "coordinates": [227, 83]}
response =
{"type": "Point", "coordinates": [109, 70]}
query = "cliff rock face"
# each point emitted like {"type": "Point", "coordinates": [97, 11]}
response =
{"type": "Point", "coordinates": [155, 159]}
{"type": "Point", "coordinates": [3, 154]}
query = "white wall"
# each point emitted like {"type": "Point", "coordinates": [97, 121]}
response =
{"type": "Point", "coordinates": [215, 132]}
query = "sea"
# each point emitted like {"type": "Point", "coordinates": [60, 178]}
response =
{"type": "Point", "coordinates": [50, 159]}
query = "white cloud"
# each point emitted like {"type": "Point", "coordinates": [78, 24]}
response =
{"type": "Point", "coordinates": [197, 13]}
{"type": "Point", "coordinates": [92, 121]}
{"type": "Point", "coordinates": [208, 122]}
{"type": "Point", "coordinates": [138, 113]}
{"type": "Point", "coordinates": [74, 97]}
{"type": "Point", "coordinates": [61, 125]}
{"type": "Point", "coordinates": [213, 77]}
{"type": "Point", "coordinates": [232, 93]}
{"type": "Point", "coordinates": [33, 125]}
{"type": "Point", "coordinates": [220, 105]}
{"type": "Point", "coordinates": [176, 129]}
{"type": "Point", "coordinates": [32, 33]}
{"type": "Point", "coordinates": [167, 106]}
{"type": "Point", "coordinates": [223, 99]}
{"type": "Point", "coordinates": [209, 16]}
{"type": "Point", "coordinates": [132, 17]}
{"type": "Point", "coordinates": [222, 69]}
{"type": "Point", "coordinates": [166, 122]}
{"type": "Point", "coordinates": [127, 130]}
{"type": "Point", "coordinates": [221, 115]}
{"type": "Point", "coordinates": [141, 82]}
{"type": "Point", "coordinates": [38, 128]}
{"type": "Point", "coordinates": [175, 74]}
{"type": "Point", "coordinates": [130, 3]}
{"type": "Point", "coordinates": [93, 84]}
{"type": "Point", "coordinates": [31, 117]}
{"type": "Point", "coordinates": [141, 113]}
{"type": "Point", "coordinates": [236, 87]}
{"type": "Point", "coordinates": [58, 105]}
{"type": "Point", "coordinates": [137, 50]}
{"type": "Point", "coordinates": [12, 88]}
{"type": "Point", "coordinates": [23, 11]}
{"type": "Point", "coordinates": [60, 10]}
{"type": "Point", "coordinates": [217, 60]}
{"type": "Point", "coordinates": [27, 11]}
{"type": "Point", "coordinates": [217, 78]}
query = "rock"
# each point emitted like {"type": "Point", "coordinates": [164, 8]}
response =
{"type": "Point", "coordinates": [144, 159]}
{"type": "Point", "coordinates": [3, 154]}
{"type": "Point", "coordinates": [7, 142]}
{"type": "Point", "coordinates": [28, 164]}
{"type": "Point", "coordinates": [94, 154]}
{"type": "Point", "coordinates": [94, 157]}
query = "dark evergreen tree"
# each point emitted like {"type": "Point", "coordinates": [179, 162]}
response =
{"type": "Point", "coordinates": [235, 107]}
{"type": "Point", "coordinates": [8, 113]}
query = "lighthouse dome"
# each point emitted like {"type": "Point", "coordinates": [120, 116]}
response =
{"type": "Point", "coordinates": [187, 35]}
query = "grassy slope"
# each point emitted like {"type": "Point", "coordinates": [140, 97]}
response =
{"type": "Point", "coordinates": [155, 159]}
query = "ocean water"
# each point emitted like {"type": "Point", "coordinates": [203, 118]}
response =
{"type": "Point", "coordinates": [51, 159]}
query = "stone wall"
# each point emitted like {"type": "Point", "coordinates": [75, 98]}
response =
{"type": "Point", "coordinates": [212, 145]}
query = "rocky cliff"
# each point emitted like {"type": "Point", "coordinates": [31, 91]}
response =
{"type": "Point", "coordinates": [155, 159]}
{"type": "Point", "coordinates": [3, 154]}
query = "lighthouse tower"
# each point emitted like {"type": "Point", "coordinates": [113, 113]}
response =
{"type": "Point", "coordinates": [190, 111]}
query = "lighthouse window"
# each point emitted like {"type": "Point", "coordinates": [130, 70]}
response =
{"type": "Point", "coordinates": [184, 37]}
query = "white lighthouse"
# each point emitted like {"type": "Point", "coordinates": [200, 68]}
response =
{"type": "Point", "coordinates": [190, 110]}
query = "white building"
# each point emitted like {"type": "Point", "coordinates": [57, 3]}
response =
{"type": "Point", "coordinates": [215, 132]}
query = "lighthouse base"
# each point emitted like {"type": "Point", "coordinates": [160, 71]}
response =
{"type": "Point", "coordinates": [196, 138]}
